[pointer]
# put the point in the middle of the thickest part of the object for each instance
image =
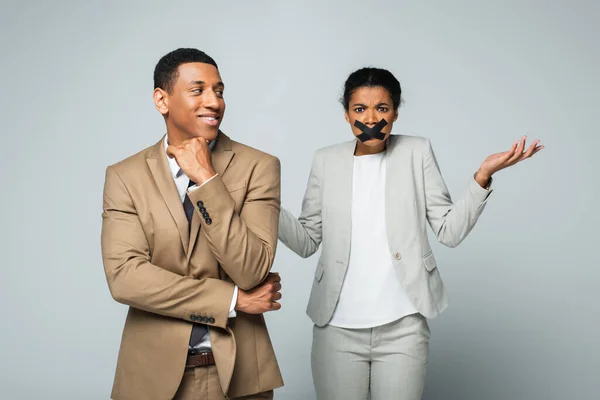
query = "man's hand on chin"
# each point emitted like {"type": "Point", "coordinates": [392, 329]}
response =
{"type": "Point", "coordinates": [194, 158]}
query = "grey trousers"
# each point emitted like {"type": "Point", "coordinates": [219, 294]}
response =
{"type": "Point", "coordinates": [388, 362]}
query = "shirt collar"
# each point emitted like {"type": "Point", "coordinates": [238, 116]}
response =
{"type": "Point", "coordinates": [173, 166]}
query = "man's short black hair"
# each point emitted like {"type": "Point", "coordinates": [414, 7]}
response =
{"type": "Point", "coordinates": [165, 72]}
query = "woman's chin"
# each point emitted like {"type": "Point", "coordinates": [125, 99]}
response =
{"type": "Point", "coordinates": [373, 142]}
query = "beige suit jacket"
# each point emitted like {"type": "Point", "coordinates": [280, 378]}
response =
{"type": "Point", "coordinates": [415, 195]}
{"type": "Point", "coordinates": [170, 278]}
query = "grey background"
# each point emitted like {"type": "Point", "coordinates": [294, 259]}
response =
{"type": "Point", "coordinates": [76, 96]}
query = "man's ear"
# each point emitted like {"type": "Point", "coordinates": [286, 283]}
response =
{"type": "Point", "coordinates": [161, 101]}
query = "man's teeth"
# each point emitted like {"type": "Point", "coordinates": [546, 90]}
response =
{"type": "Point", "coordinates": [209, 118]}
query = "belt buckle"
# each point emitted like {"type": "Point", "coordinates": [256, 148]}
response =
{"type": "Point", "coordinates": [204, 357]}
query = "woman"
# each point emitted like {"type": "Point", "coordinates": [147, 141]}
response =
{"type": "Point", "coordinates": [368, 201]}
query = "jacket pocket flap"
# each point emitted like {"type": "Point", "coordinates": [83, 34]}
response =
{"type": "Point", "coordinates": [232, 187]}
{"type": "Point", "coordinates": [429, 261]}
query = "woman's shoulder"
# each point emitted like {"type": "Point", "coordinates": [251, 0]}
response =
{"type": "Point", "coordinates": [418, 142]}
{"type": "Point", "coordinates": [336, 148]}
{"type": "Point", "coordinates": [406, 141]}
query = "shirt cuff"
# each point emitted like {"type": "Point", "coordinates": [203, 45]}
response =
{"type": "Point", "coordinates": [232, 312]}
{"type": "Point", "coordinates": [194, 187]}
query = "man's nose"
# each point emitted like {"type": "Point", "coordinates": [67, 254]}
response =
{"type": "Point", "coordinates": [211, 100]}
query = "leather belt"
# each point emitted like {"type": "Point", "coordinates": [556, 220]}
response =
{"type": "Point", "coordinates": [200, 360]}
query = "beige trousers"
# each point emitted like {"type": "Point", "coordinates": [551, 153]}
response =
{"type": "Point", "coordinates": [202, 383]}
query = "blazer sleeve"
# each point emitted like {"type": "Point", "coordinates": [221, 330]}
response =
{"type": "Point", "coordinates": [451, 222]}
{"type": "Point", "coordinates": [132, 278]}
{"type": "Point", "coordinates": [303, 235]}
{"type": "Point", "coordinates": [244, 244]}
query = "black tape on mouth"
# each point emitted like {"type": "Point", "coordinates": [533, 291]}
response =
{"type": "Point", "coordinates": [371, 133]}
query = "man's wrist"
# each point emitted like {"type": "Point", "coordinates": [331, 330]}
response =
{"type": "Point", "coordinates": [240, 301]}
{"type": "Point", "coordinates": [202, 177]}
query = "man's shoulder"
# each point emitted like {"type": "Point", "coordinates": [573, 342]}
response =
{"type": "Point", "coordinates": [134, 162]}
{"type": "Point", "coordinates": [252, 154]}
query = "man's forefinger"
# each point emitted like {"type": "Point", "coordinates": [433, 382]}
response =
{"type": "Point", "coordinates": [170, 151]}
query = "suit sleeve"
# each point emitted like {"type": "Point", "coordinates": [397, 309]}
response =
{"type": "Point", "coordinates": [304, 234]}
{"type": "Point", "coordinates": [132, 278]}
{"type": "Point", "coordinates": [451, 222]}
{"type": "Point", "coordinates": [244, 244]}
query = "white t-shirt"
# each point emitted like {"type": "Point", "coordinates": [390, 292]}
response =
{"type": "Point", "coordinates": [372, 294]}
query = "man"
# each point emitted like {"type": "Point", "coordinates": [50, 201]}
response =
{"type": "Point", "coordinates": [188, 240]}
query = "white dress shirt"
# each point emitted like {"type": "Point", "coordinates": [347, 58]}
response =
{"type": "Point", "coordinates": [182, 182]}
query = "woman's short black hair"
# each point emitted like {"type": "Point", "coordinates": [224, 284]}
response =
{"type": "Point", "coordinates": [372, 77]}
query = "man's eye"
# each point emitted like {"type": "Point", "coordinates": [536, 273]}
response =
{"type": "Point", "coordinates": [359, 109]}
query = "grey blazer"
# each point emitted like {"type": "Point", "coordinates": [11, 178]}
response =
{"type": "Point", "coordinates": [415, 194]}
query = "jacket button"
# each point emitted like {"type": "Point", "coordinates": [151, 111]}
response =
{"type": "Point", "coordinates": [200, 204]}
{"type": "Point", "coordinates": [397, 256]}
{"type": "Point", "coordinates": [208, 221]}
{"type": "Point", "coordinates": [204, 319]}
{"type": "Point", "coordinates": [193, 317]}
{"type": "Point", "coordinates": [211, 320]}
{"type": "Point", "coordinates": [202, 210]}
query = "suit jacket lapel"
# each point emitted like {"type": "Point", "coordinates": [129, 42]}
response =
{"type": "Point", "coordinates": [159, 167]}
{"type": "Point", "coordinates": [342, 173]}
{"type": "Point", "coordinates": [221, 157]}
{"type": "Point", "coordinates": [399, 203]}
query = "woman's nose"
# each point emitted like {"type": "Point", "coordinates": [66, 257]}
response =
{"type": "Point", "coordinates": [370, 117]}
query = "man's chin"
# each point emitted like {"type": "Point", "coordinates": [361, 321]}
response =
{"type": "Point", "coordinates": [209, 135]}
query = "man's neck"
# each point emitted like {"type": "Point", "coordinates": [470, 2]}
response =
{"type": "Point", "coordinates": [174, 138]}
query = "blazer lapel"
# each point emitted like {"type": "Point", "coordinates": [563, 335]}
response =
{"type": "Point", "coordinates": [159, 167]}
{"type": "Point", "coordinates": [399, 190]}
{"type": "Point", "coordinates": [221, 157]}
{"type": "Point", "coordinates": [342, 172]}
